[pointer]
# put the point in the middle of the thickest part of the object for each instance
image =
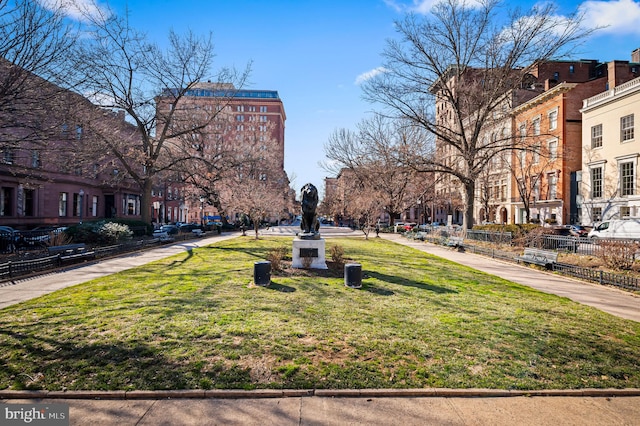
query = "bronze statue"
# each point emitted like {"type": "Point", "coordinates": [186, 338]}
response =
{"type": "Point", "coordinates": [310, 224]}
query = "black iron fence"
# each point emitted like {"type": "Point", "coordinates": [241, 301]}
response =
{"type": "Point", "coordinates": [39, 262]}
{"type": "Point", "coordinates": [581, 246]}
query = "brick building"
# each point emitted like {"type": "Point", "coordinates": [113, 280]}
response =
{"type": "Point", "coordinates": [48, 172]}
{"type": "Point", "coordinates": [232, 116]}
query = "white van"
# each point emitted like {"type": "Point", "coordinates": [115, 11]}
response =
{"type": "Point", "coordinates": [629, 228]}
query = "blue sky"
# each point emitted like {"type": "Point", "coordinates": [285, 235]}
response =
{"type": "Point", "coordinates": [314, 53]}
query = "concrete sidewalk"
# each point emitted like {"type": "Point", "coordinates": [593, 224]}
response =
{"type": "Point", "coordinates": [325, 409]}
{"type": "Point", "coordinates": [617, 302]}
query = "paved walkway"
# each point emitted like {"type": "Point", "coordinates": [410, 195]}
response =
{"type": "Point", "coordinates": [367, 407]}
{"type": "Point", "coordinates": [617, 302]}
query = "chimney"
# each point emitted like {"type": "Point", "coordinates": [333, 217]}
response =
{"type": "Point", "coordinates": [635, 56]}
{"type": "Point", "coordinates": [617, 73]}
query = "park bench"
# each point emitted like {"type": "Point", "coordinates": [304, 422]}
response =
{"type": "Point", "coordinates": [420, 236]}
{"type": "Point", "coordinates": [456, 242]}
{"type": "Point", "coordinates": [544, 258]}
{"type": "Point", "coordinates": [71, 252]}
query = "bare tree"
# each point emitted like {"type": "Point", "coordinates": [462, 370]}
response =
{"type": "Point", "coordinates": [452, 70]}
{"type": "Point", "coordinates": [217, 156]}
{"type": "Point", "coordinates": [364, 206]}
{"type": "Point", "coordinates": [372, 155]}
{"type": "Point", "coordinates": [257, 188]}
{"type": "Point", "coordinates": [34, 47]}
{"type": "Point", "coordinates": [157, 91]}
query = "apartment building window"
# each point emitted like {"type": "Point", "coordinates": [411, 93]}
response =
{"type": "Point", "coordinates": [535, 157]}
{"type": "Point", "coordinates": [263, 118]}
{"type": "Point", "coordinates": [536, 126]}
{"type": "Point", "coordinates": [94, 206]}
{"type": "Point", "coordinates": [62, 204]}
{"type": "Point", "coordinates": [626, 128]}
{"type": "Point", "coordinates": [240, 108]}
{"type": "Point", "coordinates": [29, 206]}
{"type": "Point", "coordinates": [596, 182]}
{"type": "Point", "coordinates": [536, 187]}
{"type": "Point", "coordinates": [78, 132]}
{"type": "Point", "coordinates": [6, 201]}
{"type": "Point", "coordinates": [252, 108]}
{"type": "Point", "coordinates": [553, 120]}
{"type": "Point", "coordinates": [596, 214]}
{"type": "Point", "coordinates": [35, 159]}
{"type": "Point", "coordinates": [625, 212]}
{"type": "Point", "coordinates": [239, 117]}
{"type": "Point", "coordinates": [131, 204]}
{"type": "Point", "coordinates": [523, 132]}
{"type": "Point", "coordinates": [596, 136]}
{"type": "Point", "coordinates": [627, 179]}
{"type": "Point", "coordinates": [553, 149]}
{"type": "Point", "coordinates": [8, 156]}
{"type": "Point", "coordinates": [263, 108]}
{"type": "Point", "coordinates": [552, 180]}
{"type": "Point", "coordinates": [77, 204]}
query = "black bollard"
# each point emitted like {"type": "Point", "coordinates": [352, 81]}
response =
{"type": "Point", "coordinates": [353, 275]}
{"type": "Point", "coordinates": [262, 273]}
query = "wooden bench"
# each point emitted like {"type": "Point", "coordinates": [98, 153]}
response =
{"type": "Point", "coordinates": [544, 258]}
{"type": "Point", "coordinates": [457, 242]}
{"type": "Point", "coordinates": [71, 251]}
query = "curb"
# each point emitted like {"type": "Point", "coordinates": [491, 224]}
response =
{"type": "Point", "coordinates": [323, 393]}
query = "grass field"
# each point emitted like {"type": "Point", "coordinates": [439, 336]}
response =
{"type": "Point", "coordinates": [195, 321]}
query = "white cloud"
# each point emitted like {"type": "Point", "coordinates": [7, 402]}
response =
{"type": "Point", "coordinates": [78, 10]}
{"type": "Point", "coordinates": [369, 75]}
{"type": "Point", "coordinates": [617, 17]}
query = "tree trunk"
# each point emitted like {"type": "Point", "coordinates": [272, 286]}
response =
{"type": "Point", "coordinates": [145, 202]}
{"type": "Point", "coordinates": [469, 193]}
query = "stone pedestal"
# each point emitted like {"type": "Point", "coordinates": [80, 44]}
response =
{"type": "Point", "coordinates": [309, 254]}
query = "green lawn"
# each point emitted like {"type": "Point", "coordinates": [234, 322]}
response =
{"type": "Point", "coordinates": [195, 321]}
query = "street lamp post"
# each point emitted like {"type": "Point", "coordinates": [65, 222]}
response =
{"type": "Point", "coordinates": [201, 211]}
{"type": "Point", "coordinates": [81, 194]}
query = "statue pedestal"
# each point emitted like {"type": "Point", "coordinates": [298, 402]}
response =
{"type": "Point", "coordinates": [309, 254]}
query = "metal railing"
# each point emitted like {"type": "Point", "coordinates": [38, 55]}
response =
{"type": "Point", "coordinates": [580, 246]}
{"type": "Point", "coordinates": [41, 262]}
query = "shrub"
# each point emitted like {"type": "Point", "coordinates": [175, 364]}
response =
{"type": "Point", "coordinates": [59, 238]}
{"type": "Point", "coordinates": [337, 255]}
{"type": "Point", "coordinates": [138, 227]}
{"type": "Point", "coordinates": [100, 232]}
{"type": "Point", "coordinates": [618, 254]}
{"type": "Point", "coordinates": [534, 237]}
{"type": "Point", "coordinates": [112, 232]}
{"type": "Point", "coordinates": [276, 256]}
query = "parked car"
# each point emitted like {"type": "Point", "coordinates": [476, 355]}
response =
{"type": "Point", "coordinates": [163, 236]}
{"type": "Point", "coordinates": [578, 230]}
{"type": "Point", "coordinates": [560, 239]}
{"type": "Point", "coordinates": [629, 228]}
{"type": "Point", "coordinates": [190, 227]}
{"type": "Point", "coordinates": [170, 229]}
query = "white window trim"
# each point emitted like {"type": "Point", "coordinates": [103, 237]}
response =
{"type": "Point", "coordinates": [549, 113]}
